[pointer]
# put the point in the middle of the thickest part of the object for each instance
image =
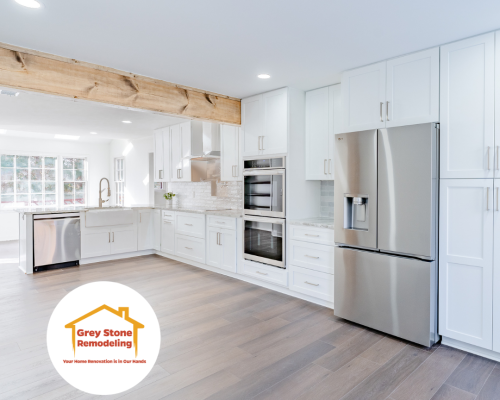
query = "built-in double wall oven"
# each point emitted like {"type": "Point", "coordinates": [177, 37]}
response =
{"type": "Point", "coordinates": [264, 210]}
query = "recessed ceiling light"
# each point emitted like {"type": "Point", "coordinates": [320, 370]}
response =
{"type": "Point", "coordinates": [2, 131]}
{"type": "Point", "coordinates": [93, 133]}
{"type": "Point", "coordinates": [9, 93]}
{"type": "Point", "coordinates": [264, 76]}
{"type": "Point", "coordinates": [127, 122]}
{"type": "Point", "coordinates": [29, 3]}
{"type": "Point", "coordinates": [66, 137]}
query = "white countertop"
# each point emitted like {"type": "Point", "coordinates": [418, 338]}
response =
{"type": "Point", "coordinates": [319, 222]}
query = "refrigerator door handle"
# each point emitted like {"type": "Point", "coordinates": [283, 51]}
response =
{"type": "Point", "coordinates": [381, 106]}
{"type": "Point", "coordinates": [387, 111]}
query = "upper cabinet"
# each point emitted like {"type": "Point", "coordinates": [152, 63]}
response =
{"type": "Point", "coordinates": [162, 155]}
{"type": "Point", "coordinates": [468, 108]}
{"type": "Point", "coordinates": [230, 166]}
{"type": "Point", "coordinates": [264, 120]}
{"type": "Point", "coordinates": [186, 142]}
{"type": "Point", "coordinates": [398, 92]}
{"type": "Point", "coordinates": [323, 115]}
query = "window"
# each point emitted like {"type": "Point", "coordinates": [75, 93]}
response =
{"type": "Point", "coordinates": [119, 181]}
{"type": "Point", "coordinates": [28, 181]}
{"type": "Point", "coordinates": [74, 171]}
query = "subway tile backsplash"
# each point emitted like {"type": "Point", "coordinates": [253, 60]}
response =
{"type": "Point", "coordinates": [327, 199]}
{"type": "Point", "coordinates": [199, 194]}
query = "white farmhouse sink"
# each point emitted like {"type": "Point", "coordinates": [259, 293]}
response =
{"type": "Point", "coordinates": [107, 217]}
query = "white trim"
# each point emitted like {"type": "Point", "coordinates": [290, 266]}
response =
{"type": "Point", "coordinates": [470, 348]}
{"type": "Point", "coordinates": [112, 257]}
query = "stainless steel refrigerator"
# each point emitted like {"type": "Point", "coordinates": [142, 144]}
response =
{"type": "Point", "coordinates": [386, 197]}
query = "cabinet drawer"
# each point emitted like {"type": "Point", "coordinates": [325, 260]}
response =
{"type": "Point", "coordinates": [190, 248]}
{"type": "Point", "coordinates": [313, 283]}
{"type": "Point", "coordinates": [221, 222]}
{"type": "Point", "coordinates": [313, 256]}
{"type": "Point", "coordinates": [190, 224]}
{"type": "Point", "coordinates": [168, 215]}
{"type": "Point", "coordinates": [264, 272]}
{"type": "Point", "coordinates": [312, 234]}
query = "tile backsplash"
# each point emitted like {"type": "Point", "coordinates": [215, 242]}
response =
{"type": "Point", "coordinates": [199, 194]}
{"type": "Point", "coordinates": [327, 199]}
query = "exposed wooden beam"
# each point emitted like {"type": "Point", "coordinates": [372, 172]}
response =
{"type": "Point", "coordinates": [40, 72]}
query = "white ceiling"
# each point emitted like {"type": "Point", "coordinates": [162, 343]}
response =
{"type": "Point", "coordinates": [221, 45]}
{"type": "Point", "coordinates": [42, 116]}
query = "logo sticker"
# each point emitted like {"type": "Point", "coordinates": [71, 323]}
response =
{"type": "Point", "coordinates": [103, 338]}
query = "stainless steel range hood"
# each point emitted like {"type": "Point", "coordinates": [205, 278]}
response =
{"type": "Point", "coordinates": [211, 142]}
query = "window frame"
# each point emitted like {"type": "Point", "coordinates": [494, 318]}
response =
{"type": "Point", "coordinates": [74, 181]}
{"type": "Point", "coordinates": [119, 180]}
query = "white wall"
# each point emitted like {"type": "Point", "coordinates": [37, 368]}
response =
{"type": "Point", "coordinates": [136, 154]}
{"type": "Point", "coordinates": [98, 167]}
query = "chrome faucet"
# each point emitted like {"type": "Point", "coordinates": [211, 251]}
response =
{"type": "Point", "coordinates": [101, 201]}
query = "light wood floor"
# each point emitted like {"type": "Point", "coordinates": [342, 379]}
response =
{"type": "Point", "coordinates": [227, 339]}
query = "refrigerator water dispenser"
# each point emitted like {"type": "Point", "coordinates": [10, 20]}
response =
{"type": "Point", "coordinates": [356, 212]}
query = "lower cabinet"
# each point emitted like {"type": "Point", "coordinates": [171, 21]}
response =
{"type": "Point", "coordinates": [157, 230]}
{"type": "Point", "coordinates": [221, 248]}
{"type": "Point", "coordinates": [310, 282]}
{"type": "Point", "coordinates": [168, 236]}
{"type": "Point", "coordinates": [268, 273]}
{"type": "Point", "coordinates": [191, 248]}
{"type": "Point", "coordinates": [124, 239]}
{"type": "Point", "coordinates": [104, 241]}
{"type": "Point", "coordinates": [145, 230]}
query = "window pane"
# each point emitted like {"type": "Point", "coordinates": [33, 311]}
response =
{"type": "Point", "coordinates": [36, 174]}
{"type": "Point", "coordinates": [22, 199]}
{"type": "Point", "coordinates": [22, 187]}
{"type": "Point", "coordinates": [50, 162]}
{"type": "Point", "coordinates": [50, 187]}
{"type": "Point", "coordinates": [50, 174]}
{"type": "Point", "coordinates": [50, 199]}
{"type": "Point", "coordinates": [79, 187]}
{"type": "Point", "coordinates": [36, 187]}
{"type": "Point", "coordinates": [22, 174]}
{"type": "Point", "coordinates": [36, 162]}
{"type": "Point", "coordinates": [7, 187]}
{"type": "Point", "coordinates": [79, 175]}
{"type": "Point", "coordinates": [68, 199]}
{"type": "Point", "coordinates": [68, 163]}
{"type": "Point", "coordinates": [7, 199]}
{"type": "Point", "coordinates": [68, 188]}
{"type": "Point", "coordinates": [67, 175]}
{"type": "Point", "coordinates": [7, 161]}
{"type": "Point", "coordinates": [36, 200]}
{"type": "Point", "coordinates": [79, 163]}
{"type": "Point", "coordinates": [22, 161]}
{"type": "Point", "coordinates": [7, 174]}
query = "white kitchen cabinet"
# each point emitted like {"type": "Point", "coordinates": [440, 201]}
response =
{"type": "Point", "coordinates": [363, 98]}
{"type": "Point", "coordinates": [412, 89]}
{"type": "Point", "coordinates": [145, 230]}
{"type": "Point", "coordinates": [162, 155]}
{"type": "Point", "coordinates": [124, 239]}
{"type": "Point", "coordinates": [466, 260]}
{"type": "Point", "coordinates": [221, 248]}
{"type": "Point", "coordinates": [274, 137]}
{"type": "Point", "coordinates": [191, 248]}
{"type": "Point", "coordinates": [313, 283]}
{"type": "Point", "coordinates": [467, 108]}
{"type": "Point", "coordinates": [252, 122]}
{"type": "Point", "coordinates": [497, 105]}
{"type": "Point", "coordinates": [322, 122]}
{"type": "Point", "coordinates": [177, 161]}
{"type": "Point", "coordinates": [190, 224]}
{"type": "Point", "coordinates": [157, 230]}
{"type": "Point", "coordinates": [496, 268]}
{"type": "Point", "coordinates": [168, 236]}
{"type": "Point", "coordinates": [96, 242]}
{"type": "Point", "coordinates": [230, 166]}
{"type": "Point", "coordinates": [186, 141]}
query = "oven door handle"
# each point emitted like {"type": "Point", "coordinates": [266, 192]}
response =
{"type": "Point", "coordinates": [277, 171]}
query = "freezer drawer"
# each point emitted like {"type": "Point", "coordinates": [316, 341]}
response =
{"type": "Point", "coordinates": [392, 294]}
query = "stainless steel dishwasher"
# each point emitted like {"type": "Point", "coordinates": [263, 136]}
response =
{"type": "Point", "coordinates": [56, 241]}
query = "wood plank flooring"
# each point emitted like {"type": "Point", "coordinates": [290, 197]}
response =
{"type": "Point", "coordinates": [227, 339]}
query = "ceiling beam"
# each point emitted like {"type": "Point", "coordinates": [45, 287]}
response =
{"type": "Point", "coordinates": [31, 70]}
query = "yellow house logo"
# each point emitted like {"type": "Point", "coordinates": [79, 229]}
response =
{"type": "Point", "coordinates": [106, 337]}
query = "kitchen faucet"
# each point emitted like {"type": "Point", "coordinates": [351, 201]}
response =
{"type": "Point", "coordinates": [101, 201]}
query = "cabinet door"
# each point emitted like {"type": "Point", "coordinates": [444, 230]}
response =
{"type": "Point", "coordinates": [334, 124]}
{"type": "Point", "coordinates": [159, 165]}
{"type": "Point", "coordinates": [157, 229]}
{"type": "Point", "coordinates": [214, 249]}
{"type": "Point", "coordinates": [176, 153]}
{"type": "Point", "coordinates": [412, 93]}
{"type": "Point", "coordinates": [168, 237]}
{"type": "Point", "coordinates": [496, 269]}
{"type": "Point", "coordinates": [317, 134]}
{"type": "Point", "coordinates": [166, 156]}
{"type": "Point", "coordinates": [124, 240]}
{"type": "Point", "coordinates": [252, 122]}
{"type": "Point", "coordinates": [96, 244]}
{"type": "Point", "coordinates": [497, 105]}
{"type": "Point", "coordinates": [227, 240]}
{"type": "Point", "coordinates": [230, 154]}
{"type": "Point", "coordinates": [145, 230]}
{"type": "Point", "coordinates": [466, 260]}
{"type": "Point", "coordinates": [275, 137]}
{"type": "Point", "coordinates": [363, 98]}
{"type": "Point", "coordinates": [467, 108]}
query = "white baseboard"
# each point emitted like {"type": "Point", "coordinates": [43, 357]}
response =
{"type": "Point", "coordinates": [248, 279]}
{"type": "Point", "coordinates": [112, 257]}
{"type": "Point", "coordinates": [492, 355]}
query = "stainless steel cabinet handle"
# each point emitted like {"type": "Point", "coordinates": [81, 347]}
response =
{"type": "Point", "coordinates": [488, 158]}
{"type": "Point", "coordinates": [259, 142]}
{"type": "Point", "coordinates": [220, 222]}
{"type": "Point", "coordinates": [381, 106]}
{"type": "Point", "coordinates": [487, 199]}
{"type": "Point", "coordinates": [387, 111]}
{"type": "Point", "coordinates": [167, 222]}
{"type": "Point", "coordinates": [497, 198]}
{"type": "Point", "coordinates": [113, 237]}
{"type": "Point", "coordinates": [330, 166]}
{"type": "Point", "coordinates": [140, 217]}
{"type": "Point", "coordinates": [308, 234]}
{"type": "Point", "coordinates": [262, 273]}
{"type": "Point", "coordinates": [311, 256]}
{"type": "Point", "coordinates": [161, 173]}
{"type": "Point", "coordinates": [262, 143]}
{"type": "Point", "coordinates": [189, 248]}
{"type": "Point", "coordinates": [109, 237]}
{"type": "Point", "coordinates": [309, 283]}
{"type": "Point", "coordinates": [324, 166]}
{"type": "Point", "coordinates": [189, 224]}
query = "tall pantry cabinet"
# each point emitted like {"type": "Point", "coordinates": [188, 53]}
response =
{"type": "Point", "coordinates": [469, 245]}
